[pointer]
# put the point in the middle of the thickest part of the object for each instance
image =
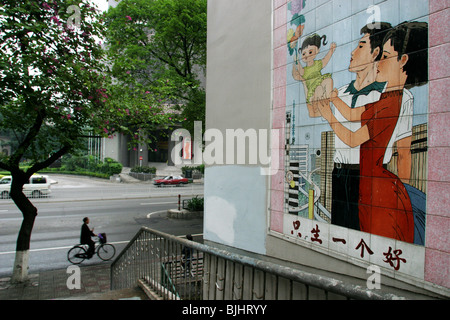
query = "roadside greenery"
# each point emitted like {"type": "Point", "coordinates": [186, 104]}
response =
{"type": "Point", "coordinates": [143, 169]}
{"type": "Point", "coordinates": [199, 169]}
{"type": "Point", "coordinates": [195, 204]}
{"type": "Point", "coordinates": [158, 49]}
{"type": "Point", "coordinates": [76, 173]}
{"type": "Point", "coordinates": [91, 164]}
{"type": "Point", "coordinates": [80, 165]}
{"type": "Point", "coordinates": [87, 165]}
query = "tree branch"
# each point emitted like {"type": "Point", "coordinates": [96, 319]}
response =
{"type": "Point", "coordinates": [5, 166]}
{"type": "Point", "coordinates": [32, 133]}
{"type": "Point", "coordinates": [44, 164]}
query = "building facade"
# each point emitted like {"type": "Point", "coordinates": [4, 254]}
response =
{"type": "Point", "coordinates": [352, 95]}
{"type": "Point", "coordinates": [118, 147]}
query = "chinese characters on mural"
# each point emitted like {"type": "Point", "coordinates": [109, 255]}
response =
{"type": "Point", "coordinates": [392, 256]}
{"type": "Point", "coordinates": [367, 171]}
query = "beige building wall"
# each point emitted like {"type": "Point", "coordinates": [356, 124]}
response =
{"type": "Point", "coordinates": [238, 97]}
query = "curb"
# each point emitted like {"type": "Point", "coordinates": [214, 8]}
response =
{"type": "Point", "coordinates": [184, 214]}
{"type": "Point", "coordinates": [178, 214]}
{"type": "Point", "coordinates": [155, 212]}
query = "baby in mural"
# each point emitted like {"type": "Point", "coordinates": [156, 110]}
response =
{"type": "Point", "coordinates": [317, 86]}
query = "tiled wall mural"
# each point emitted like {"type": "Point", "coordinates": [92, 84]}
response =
{"type": "Point", "coordinates": [351, 93]}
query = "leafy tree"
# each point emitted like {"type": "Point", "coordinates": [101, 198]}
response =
{"type": "Point", "coordinates": [50, 90]}
{"type": "Point", "coordinates": [54, 85]}
{"type": "Point", "coordinates": [159, 46]}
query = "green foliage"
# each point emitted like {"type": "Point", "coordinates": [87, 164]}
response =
{"type": "Point", "coordinates": [89, 163]}
{"type": "Point", "coordinates": [111, 167]}
{"type": "Point", "coordinates": [78, 173]}
{"type": "Point", "coordinates": [56, 84]}
{"type": "Point", "coordinates": [195, 204]}
{"type": "Point", "coordinates": [159, 47]}
{"type": "Point", "coordinates": [72, 163]}
{"type": "Point", "coordinates": [143, 169]}
{"type": "Point", "coordinates": [200, 168]}
{"type": "Point", "coordinates": [51, 79]}
{"type": "Point", "coordinates": [194, 110]}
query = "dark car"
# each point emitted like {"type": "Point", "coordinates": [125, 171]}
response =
{"type": "Point", "coordinates": [170, 180]}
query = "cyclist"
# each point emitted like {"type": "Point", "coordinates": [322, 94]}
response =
{"type": "Point", "coordinates": [86, 235]}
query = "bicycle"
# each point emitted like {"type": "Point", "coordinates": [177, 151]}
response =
{"type": "Point", "coordinates": [105, 251]}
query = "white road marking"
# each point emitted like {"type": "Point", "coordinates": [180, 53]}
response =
{"type": "Point", "coordinates": [157, 203]}
{"type": "Point", "coordinates": [56, 248]}
{"type": "Point", "coordinates": [152, 213]}
{"type": "Point", "coordinates": [68, 247]}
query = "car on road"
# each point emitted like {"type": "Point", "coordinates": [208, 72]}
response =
{"type": "Point", "coordinates": [171, 180]}
{"type": "Point", "coordinates": [37, 186]}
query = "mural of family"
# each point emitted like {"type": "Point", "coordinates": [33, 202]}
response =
{"type": "Point", "coordinates": [378, 159]}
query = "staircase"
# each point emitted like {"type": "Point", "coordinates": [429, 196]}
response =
{"type": "Point", "coordinates": [153, 260]}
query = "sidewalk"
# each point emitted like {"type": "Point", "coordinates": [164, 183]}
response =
{"type": "Point", "coordinates": [51, 285]}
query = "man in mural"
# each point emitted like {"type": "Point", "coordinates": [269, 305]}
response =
{"type": "Point", "coordinates": [363, 90]}
{"type": "Point", "coordinates": [384, 206]}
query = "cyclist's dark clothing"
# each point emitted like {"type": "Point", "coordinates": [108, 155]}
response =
{"type": "Point", "coordinates": [186, 261]}
{"type": "Point", "coordinates": [85, 238]}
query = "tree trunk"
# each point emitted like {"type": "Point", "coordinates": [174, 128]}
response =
{"type": "Point", "coordinates": [29, 212]}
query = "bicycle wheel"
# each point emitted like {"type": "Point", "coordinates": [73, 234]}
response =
{"type": "Point", "coordinates": [106, 251]}
{"type": "Point", "coordinates": [76, 255]}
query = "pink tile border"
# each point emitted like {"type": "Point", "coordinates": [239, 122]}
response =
{"type": "Point", "coordinates": [438, 198]}
{"type": "Point", "coordinates": [439, 161]}
{"type": "Point", "coordinates": [279, 113]}
{"type": "Point", "coordinates": [278, 3]}
{"type": "Point", "coordinates": [439, 96]}
{"type": "Point", "coordinates": [278, 181]}
{"type": "Point", "coordinates": [280, 16]}
{"type": "Point", "coordinates": [277, 200]}
{"type": "Point", "coordinates": [276, 221]}
{"type": "Point", "coordinates": [279, 77]}
{"type": "Point", "coordinates": [438, 236]}
{"type": "Point", "coordinates": [279, 37]}
{"type": "Point", "coordinates": [437, 265]}
{"type": "Point", "coordinates": [439, 132]}
{"type": "Point", "coordinates": [439, 24]}
{"type": "Point", "coordinates": [437, 239]}
{"type": "Point", "coordinates": [437, 5]}
{"type": "Point", "coordinates": [438, 61]}
{"type": "Point", "coordinates": [279, 57]}
{"type": "Point", "coordinates": [279, 97]}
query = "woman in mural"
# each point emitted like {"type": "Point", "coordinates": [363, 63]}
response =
{"type": "Point", "coordinates": [317, 86]}
{"type": "Point", "coordinates": [384, 204]}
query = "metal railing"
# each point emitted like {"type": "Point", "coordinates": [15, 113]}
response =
{"type": "Point", "coordinates": [158, 261]}
{"type": "Point", "coordinates": [171, 266]}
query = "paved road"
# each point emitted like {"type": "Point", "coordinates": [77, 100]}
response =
{"type": "Point", "coordinates": [79, 188]}
{"type": "Point", "coordinates": [115, 208]}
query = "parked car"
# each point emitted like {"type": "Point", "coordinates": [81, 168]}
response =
{"type": "Point", "coordinates": [38, 186]}
{"type": "Point", "coordinates": [170, 180]}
